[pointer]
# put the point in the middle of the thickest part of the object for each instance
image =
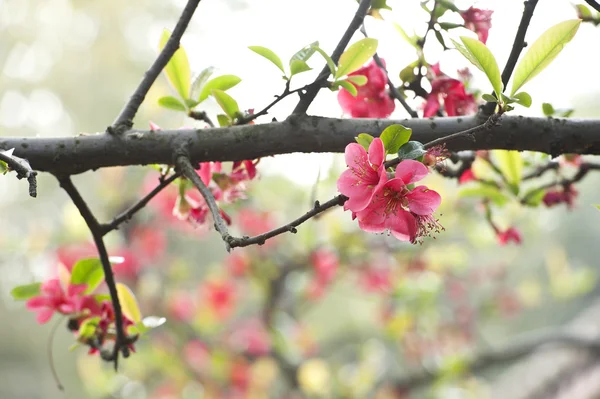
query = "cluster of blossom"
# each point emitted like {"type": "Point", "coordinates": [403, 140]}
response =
{"type": "Point", "coordinates": [380, 202]}
{"type": "Point", "coordinates": [90, 316]}
{"type": "Point", "coordinates": [451, 91]}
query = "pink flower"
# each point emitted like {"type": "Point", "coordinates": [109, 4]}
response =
{"type": "Point", "coordinates": [365, 175]}
{"type": "Point", "coordinates": [219, 297]}
{"type": "Point", "coordinates": [555, 197]}
{"type": "Point", "coordinates": [53, 298]}
{"type": "Point", "coordinates": [252, 338]}
{"type": "Point", "coordinates": [372, 100]}
{"type": "Point", "coordinates": [325, 264]}
{"type": "Point", "coordinates": [479, 21]}
{"type": "Point", "coordinates": [456, 100]}
{"type": "Point", "coordinates": [512, 234]}
{"type": "Point", "coordinates": [376, 279]}
{"type": "Point", "coordinates": [405, 212]}
{"type": "Point", "coordinates": [466, 176]}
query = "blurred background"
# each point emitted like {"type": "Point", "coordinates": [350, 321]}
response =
{"type": "Point", "coordinates": [329, 312]}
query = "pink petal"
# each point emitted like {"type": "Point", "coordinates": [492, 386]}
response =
{"type": "Point", "coordinates": [410, 171]}
{"type": "Point", "coordinates": [372, 219]}
{"type": "Point", "coordinates": [402, 225]}
{"type": "Point", "coordinates": [431, 106]}
{"type": "Point", "coordinates": [423, 201]}
{"type": "Point", "coordinates": [76, 290]}
{"type": "Point", "coordinates": [376, 152]}
{"type": "Point", "coordinates": [44, 315]}
{"type": "Point", "coordinates": [355, 155]}
{"type": "Point", "coordinates": [359, 194]}
{"type": "Point", "coordinates": [38, 302]}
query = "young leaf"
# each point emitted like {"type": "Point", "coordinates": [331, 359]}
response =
{"type": "Point", "coordinates": [26, 291]}
{"type": "Point", "coordinates": [486, 191]}
{"type": "Point", "coordinates": [411, 150]}
{"type": "Point", "coordinates": [270, 55]}
{"type": "Point", "coordinates": [298, 66]}
{"type": "Point", "coordinates": [534, 196]}
{"type": "Point", "coordinates": [482, 58]}
{"type": "Point", "coordinates": [364, 139]}
{"type": "Point", "coordinates": [171, 102]}
{"type": "Point", "coordinates": [413, 41]}
{"type": "Point", "coordinates": [129, 305]}
{"type": "Point", "coordinates": [178, 68]}
{"type": "Point", "coordinates": [224, 120]}
{"type": "Point", "coordinates": [88, 271]}
{"type": "Point", "coordinates": [523, 98]}
{"type": "Point", "coordinates": [330, 62]}
{"type": "Point", "coordinates": [200, 80]}
{"type": "Point", "coordinates": [547, 109]}
{"type": "Point", "coordinates": [510, 164]}
{"type": "Point", "coordinates": [226, 102]}
{"type": "Point", "coordinates": [394, 137]}
{"type": "Point", "coordinates": [358, 80]}
{"type": "Point", "coordinates": [223, 82]}
{"type": "Point", "coordinates": [348, 86]}
{"type": "Point", "coordinates": [356, 55]}
{"type": "Point", "coordinates": [489, 98]}
{"type": "Point", "coordinates": [543, 51]}
{"type": "Point", "coordinates": [305, 53]}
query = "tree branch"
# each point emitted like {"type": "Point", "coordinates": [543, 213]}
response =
{"type": "Point", "coordinates": [187, 170]}
{"type": "Point", "coordinates": [594, 4]}
{"type": "Point", "coordinates": [125, 119]}
{"type": "Point", "coordinates": [121, 340]}
{"type": "Point", "coordinates": [128, 214]}
{"type": "Point", "coordinates": [518, 46]}
{"type": "Point", "coordinates": [23, 169]}
{"type": "Point", "coordinates": [298, 133]}
{"type": "Point", "coordinates": [517, 349]}
{"type": "Point", "coordinates": [308, 97]}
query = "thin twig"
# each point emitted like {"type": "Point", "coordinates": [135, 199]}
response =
{"type": "Point", "coordinates": [314, 88]}
{"type": "Point", "coordinates": [187, 170]}
{"type": "Point", "coordinates": [584, 169]}
{"type": "Point", "coordinates": [551, 165]}
{"type": "Point", "coordinates": [518, 46]}
{"type": "Point", "coordinates": [125, 119]}
{"type": "Point", "coordinates": [290, 227]}
{"type": "Point", "coordinates": [121, 340]}
{"type": "Point", "coordinates": [393, 89]}
{"type": "Point", "coordinates": [594, 4]}
{"type": "Point", "coordinates": [128, 214]}
{"type": "Point", "coordinates": [201, 116]}
{"type": "Point", "coordinates": [23, 169]}
{"type": "Point", "coordinates": [286, 92]}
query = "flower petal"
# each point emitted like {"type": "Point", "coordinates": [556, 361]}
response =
{"type": "Point", "coordinates": [355, 155]}
{"type": "Point", "coordinates": [410, 171]}
{"type": "Point", "coordinates": [44, 315]}
{"type": "Point", "coordinates": [376, 152]}
{"type": "Point", "coordinates": [402, 225]}
{"type": "Point", "coordinates": [423, 201]}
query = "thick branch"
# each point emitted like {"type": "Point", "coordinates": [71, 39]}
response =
{"type": "Point", "coordinates": [510, 353]}
{"type": "Point", "coordinates": [23, 169]}
{"type": "Point", "coordinates": [121, 341]}
{"type": "Point", "coordinates": [124, 120]}
{"type": "Point", "coordinates": [308, 97]}
{"type": "Point", "coordinates": [70, 155]}
{"type": "Point", "coordinates": [594, 4]}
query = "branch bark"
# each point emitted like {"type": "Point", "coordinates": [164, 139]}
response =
{"type": "Point", "coordinates": [298, 133]}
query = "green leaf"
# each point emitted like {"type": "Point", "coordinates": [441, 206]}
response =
{"type": "Point", "coordinates": [178, 68]}
{"type": "Point", "coordinates": [510, 164]}
{"type": "Point", "coordinates": [411, 150]}
{"type": "Point", "coordinates": [583, 11]}
{"type": "Point", "coordinates": [224, 120]}
{"type": "Point", "coordinates": [364, 139]}
{"type": "Point", "coordinates": [449, 25]}
{"type": "Point", "coordinates": [484, 191]}
{"type": "Point", "coordinates": [171, 102]}
{"type": "Point", "coordinates": [534, 196]}
{"type": "Point", "coordinates": [270, 55]}
{"type": "Point", "coordinates": [449, 5]}
{"type": "Point", "coordinates": [547, 109]}
{"type": "Point", "coordinates": [298, 66]}
{"type": "Point", "coordinates": [87, 328]}
{"type": "Point", "coordinates": [3, 167]}
{"type": "Point", "coordinates": [523, 98]}
{"type": "Point", "coordinates": [226, 102]}
{"type": "Point", "coordinates": [380, 4]}
{"type": "Point", "coordinates": [440, 39]}
{"type": "Point", "coordinates": [489, 98]}
{"type": "Point", "coordinates": [480, 56]}
{"type": "Point", "coordinates": [223, 82]}
{"type": "Point", "coordinates": [543, 51]}
{"type": "Point", "coordinates": [597, 206]}
{"type": "Point", "coordinates": [413, 41]}
{"type": "Point", "coordinates": [88, 271]}
{"type": "Point", "coordinates": [328, 59]}
{"type": "Point", "coordinates": [358, 80]}
{"type": "Point", "coordinates": [305, 53]}
{"type": "Point", "coordinates": [347, 85]}
{"type": "Point", "coordinates": [200, 80]}
{"type": "Point", "coordinates": [407, 74]}
{"type": "Point", "coordinates": [26, 291]}
{"type": "Point", "coordinates": [394, 137]}
{"type": "Point", "coordinates": [356, 56]}
{"type": "Point", "coordinates": [129, 305]}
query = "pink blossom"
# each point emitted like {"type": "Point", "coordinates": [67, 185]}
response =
{"type": "Point", "coordinates": [365, 175]}
{"type": "Point", "coordinates": [555, 197]}
{"type": "Point", "coordinates": [405, 212]}
{"type": "Point", "coordinates": [219, 297]}
{"type": "Point", "coordinates": [467, 176]}
{"type": "Point", "coordinates": [479, 21]}
{"type": "Point", "coordinates": [452, 91]}
{"type": "Point", "coordinates": [376, 279]}
{"type": "Point", "coordinates": [511, 234]}
{"type": "Point", "coordinates": [372, 100]}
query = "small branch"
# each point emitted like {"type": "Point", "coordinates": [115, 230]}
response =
{"type": "Point", "coordinates": [314, 88]}
{"type": "Point", "coordinates": [187, 170]}
{"type": "Point", "coordinates": [265, 110]}
{"type": "Point", "coordinates": [551, 165]}
{"type": "Point", "coordinates": [584, 169]}
{"type": "Point", "coordinates": [201, 116]}
{"type": "Point", "coordinates": [516, 350]}
{"type": "Point", "coordinates": [290, 227]}
{"type": "Point", "coordinates": [128, 214]}
{"type": "Point", "coordinates": [121, 340]}
{"type": "Point", "coordinates": [124, 121]}
{"type": "Point", "coordinates": [518, 46]}
{"type": "Point", "coordinates": [594, 4]}
{"type": "Point", "coordinates": [23, 169]}
{"type": "Point", "coordinates": [393, 89]}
